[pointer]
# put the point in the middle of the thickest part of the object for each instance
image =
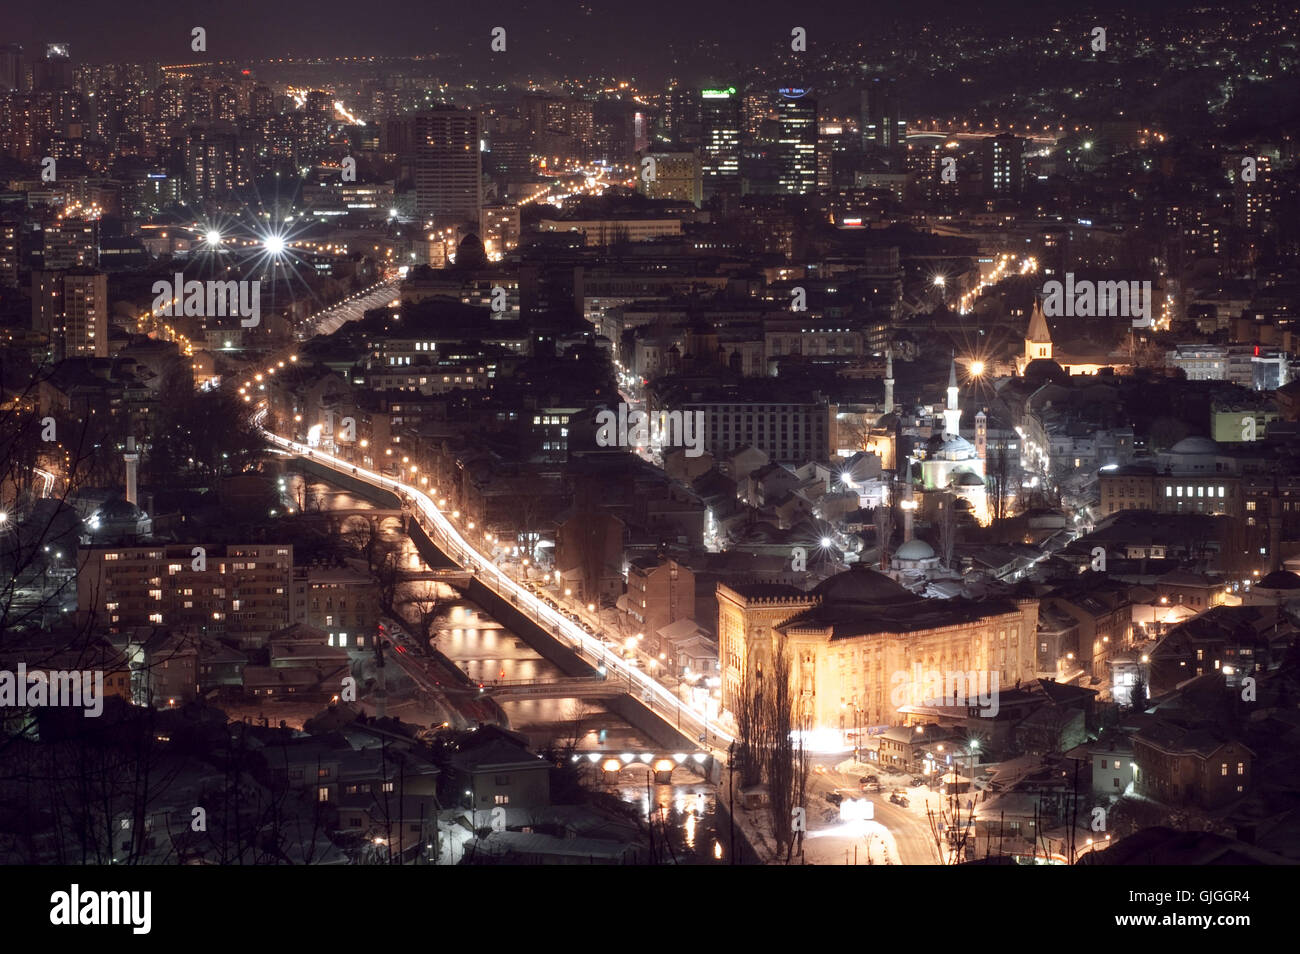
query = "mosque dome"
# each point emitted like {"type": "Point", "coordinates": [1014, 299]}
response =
{"type": "Point", "coordinates": [914, 550]}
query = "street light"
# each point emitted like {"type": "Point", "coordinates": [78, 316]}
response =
{"type": "Point", "coordinates": [857, 729]}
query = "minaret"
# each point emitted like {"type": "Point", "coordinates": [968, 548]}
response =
{"type": "Point", "coordinates": [909, 505]}
{"type": "Point", "coordinates": [981, 434]}
{"type": "Point", "coordinates": [132, 459]}
{"type": "Point", "coordinates": [952, 415]}
{"type": "Point", "coordinates": [889, 380]}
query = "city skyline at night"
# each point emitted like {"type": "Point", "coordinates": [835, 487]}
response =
{"type": "Point", "coordinates": [583, 434]}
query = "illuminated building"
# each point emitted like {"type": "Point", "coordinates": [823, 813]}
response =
{"type": "Point", "coordinates": [797, 145]}
{"type": "Point", "coordinates": [720, 120]}
{"type": "Point", "coordinates": [850, 638]}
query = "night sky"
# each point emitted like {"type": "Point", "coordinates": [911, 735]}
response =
{"type": "Point", "coordinates": [612, 33]}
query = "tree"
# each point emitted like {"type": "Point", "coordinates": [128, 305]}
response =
{"type": "Point", "coordinates": [802, 766]}
{"type": "Point", "coordinates": [1000, 479]}
{"type": "Point", "coordinates": [946, 527]}
{"type": "Point", "coordinates": [778, 714]}
{"type": "Point", "coordinates": [427, 605]}
{"type": "Point", "coordinates": [389, 577]}
{"type": "Point", "coordinates": [885, 522]}
{"type": "Point", "coordinates": [748, 728]}
{"type": "Point", "coordinates": [1138, 699]}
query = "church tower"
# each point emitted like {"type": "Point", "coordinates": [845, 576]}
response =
{"type": "Point", "coordinates": [1038, 339]}
{"type": "Point", "coordinates": [952, 414]}
{"type": "Point", "coordinates": [982, 434]}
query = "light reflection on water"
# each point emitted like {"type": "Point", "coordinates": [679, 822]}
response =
{"type": "Point", "coordinates": [686, 810]}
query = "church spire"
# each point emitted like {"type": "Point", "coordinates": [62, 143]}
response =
{"type": "Point", "coordinates": [1038, 339]}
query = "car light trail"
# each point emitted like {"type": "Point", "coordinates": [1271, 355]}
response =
{"type": "Point", "coordinates": [503, 584]}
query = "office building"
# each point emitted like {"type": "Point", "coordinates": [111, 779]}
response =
{"type": "Point", "coordinates": [720, 121]}
{"type": "Point", "coordinates": [677, 175]}
{"type": "Point", "coordinates": [797, 145]}
{"type": "Point", "coordinates": [1003, 165]}
{"type": "Point", "coordinates": [883, 129]}
{"type": "Point", "coordinates": [448, 166]}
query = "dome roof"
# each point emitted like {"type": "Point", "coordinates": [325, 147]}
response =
{"type": "Point", "coordinates": [956, 448]}
{"type": "Point", "coordinates": [915, 550]}
{"type": "Point", "coordinates": [859, 584]}
{"type": "Point", "coordinates": [1280, 580]}
{"type": "Point", "coordinates": [119, 509]}
{"type": "Point", "coordinates": [967, 478]}
{"type": "Point", "coordinates": [1195, 445]}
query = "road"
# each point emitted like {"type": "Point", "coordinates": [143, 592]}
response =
{"type": "Point", "coordinates": [445, 535]}
{"type": "Point", "coordinates": [352, 308]}
{"type": "Point", "coordinates": [252, 379]}
{"type": "Point", "coordinates": [896, 835]}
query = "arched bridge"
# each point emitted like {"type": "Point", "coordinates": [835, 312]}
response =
{"type": "Point", "coordinates": [379, 520]}
{"type": "Point", "coordinates": [610, 764]}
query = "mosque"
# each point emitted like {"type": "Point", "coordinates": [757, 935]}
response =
{"type": "Point", "coordinates": [952, 464]}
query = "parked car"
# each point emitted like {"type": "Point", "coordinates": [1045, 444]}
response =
{"type": "Point", "coordinates": [897, 799]}
{"type": "Point", "coordinates": [872, 788]}
{"type": "Point", "coordinates": [835, 798]}
{"type": "Point", "coordinates": [918, 780]}
{"type": "Point", "coordinates": [893, 769]}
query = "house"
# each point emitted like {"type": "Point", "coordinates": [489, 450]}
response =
{"type": "Point", "coordinates": [220, 666]}
{"type": "Point", "coordinates": [1111, 760]}
{"type": "Point", "coordinates": [1236, 640]}
{"type": "Point", "coordinates": [168, 666]}
{"type": "Point", "coordinates": [659, 592]}
{"type": "Point", "coordinates": [905, 747]}
{"type": "Point", "coordinates": [493, 766]}
{"type": "Point", "coordinates": [770, 483]}
{"type": "Point", "coordinates": [1178, 766]}
{"type": "Point", "coordinates": [1185, 849]}
{"type": "Point", "coordinates": [743, 461]}
{"type": "Point", "coordinates": [1199, 591]}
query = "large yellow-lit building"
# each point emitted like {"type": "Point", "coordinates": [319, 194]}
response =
{"type": "Point", "coordinates": [860, 639]}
